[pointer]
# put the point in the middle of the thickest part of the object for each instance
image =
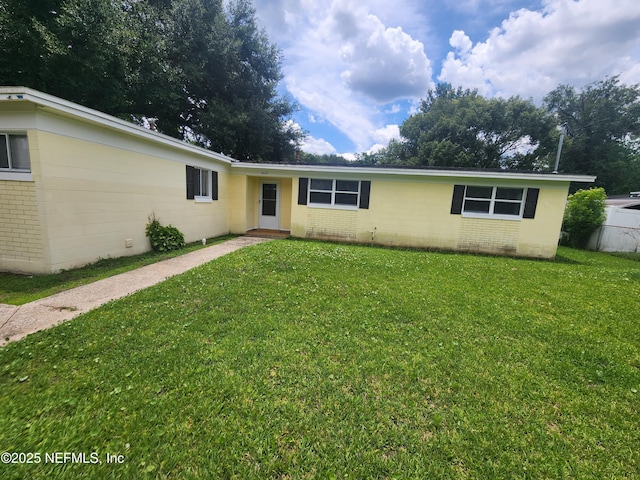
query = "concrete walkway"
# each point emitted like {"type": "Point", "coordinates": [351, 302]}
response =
{"type": "Point", "coordinates": [17, 322]}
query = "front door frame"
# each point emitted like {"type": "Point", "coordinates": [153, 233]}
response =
{"type": "Point", "coordinates": [269, 222]}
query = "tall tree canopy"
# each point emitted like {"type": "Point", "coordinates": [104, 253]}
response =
{"type": "Point", "coordinates": [603, 123]}
{"type": "Point", "coordinates": [206, 72]}
{"type": "Point", "coordinates": [460, 128]}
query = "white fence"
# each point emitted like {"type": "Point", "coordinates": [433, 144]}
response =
{"type": "Point", "coordinates": [619, 233]}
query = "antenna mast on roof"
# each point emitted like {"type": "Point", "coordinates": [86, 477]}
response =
{"type": "Point", "coordinates": [563, 130]}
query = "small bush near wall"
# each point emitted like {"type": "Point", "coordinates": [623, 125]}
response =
{"type": "Point", "coordinates": [163, 239]}
{"type": "Point", "coordinates": [584, 213]}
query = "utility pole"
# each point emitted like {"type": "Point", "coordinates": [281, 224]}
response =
{"type": "Point", "coordinates": [563, 131]}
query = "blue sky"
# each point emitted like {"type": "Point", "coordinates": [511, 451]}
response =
{"type": "Point", "coordinates": [359, 68]}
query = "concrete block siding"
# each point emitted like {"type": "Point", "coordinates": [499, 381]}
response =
{"type": "Point", "coordinates": [20, 229]}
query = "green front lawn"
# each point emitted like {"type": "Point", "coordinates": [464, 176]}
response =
{"type": "Point", "coordinates": [21, 289]}
{"type": "Point", "coordinates": [295, 359]}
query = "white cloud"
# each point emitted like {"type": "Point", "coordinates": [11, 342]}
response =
{"type": "Point", "coordinates": [376, 148]}
{"type": "Point", "coordinates": [386, 134]}
{"type": "Point", "coordinates": [281, 17]}
{"type": "Point", "coordinates": [570, 42]}
{"type": "Point", "coordinates": [334, 105]}
{"type": "Point", "coordinates": [461, 43]}
{"type": "Point", "coordinates": [385, 64]}
{"type": "Point", "coordinates": [340, 55]}
{"type": "Point", "coordinates": [393, 109]}
{"type": "Point", "coordinates": [318, 146]}
{"type": "Point", "coordinates": [382, 137]}
{"type": "Point", "coordinates": [631, 75]}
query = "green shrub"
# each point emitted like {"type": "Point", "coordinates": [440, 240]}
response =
{"type": "Point", "coordinates": [583, 215]}
{"type": "Point", "coordinates": [163, 239]}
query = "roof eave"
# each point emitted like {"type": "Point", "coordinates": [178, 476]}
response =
{"type": "Point", "coordinates": [67, 108]}
{"type": "Point", "coordinates": [266, 169]}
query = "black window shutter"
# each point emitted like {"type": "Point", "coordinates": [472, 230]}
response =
{"type": "Point", "coordinates": [365, 192]}
{"type": "Point", "coordinates": [531, 203]}
{"type": "Point", "coordinates": [302, 191]}
{"type": "Point", "coordinates": [190, 183]}
{"type": "Point", "coordinates": [214, 185]}
{"type": "Point", "coordinates": [458, 199]}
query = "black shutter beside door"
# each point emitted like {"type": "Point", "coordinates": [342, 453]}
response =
{"type": "Point", "coordinates": [303, 186]}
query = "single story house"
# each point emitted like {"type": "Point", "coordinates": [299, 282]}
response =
{"type": "Point", "coordinates": [77, 185]}
{"type": "Point", "coordinates": [620, 232]}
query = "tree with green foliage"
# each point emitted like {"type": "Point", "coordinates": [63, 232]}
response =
{"type": "Point", "coordinates": [393, 155]}
{"type": "Point", "coordinates": [460, 128]}
{"type": "Point", "coordinates": [248, 111]}
{"type": "Point", "coordinates": [202, 68]}
{"type": "Point", "coordinates": [584, 213]}
{"type": "Point", "coordinates": [108, 55]}
{"type": "Point", "coordinates": [603, 123]}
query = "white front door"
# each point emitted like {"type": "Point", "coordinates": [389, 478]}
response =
{"type": "Point", "coordinates": [269, 209]}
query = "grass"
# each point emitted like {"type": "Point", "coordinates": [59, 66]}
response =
{"type": "Point", "coordinates": [20, 289]}
{"type": "Point", "coordinates": [295, 359]}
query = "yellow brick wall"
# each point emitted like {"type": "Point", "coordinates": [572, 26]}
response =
{"type": "Point", "coordinates": [332, 224]}
{"type": "Point", "coordinates": [21, 243]}
{"type": "Point", "coordinates": [491, 236]}
{"type": "Point", "coordinates": [404, 212]}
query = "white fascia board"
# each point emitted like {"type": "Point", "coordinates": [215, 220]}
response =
{"type": "Point", "coordinates": [66, 108]}
{"type": "Point", "coordinates": [265, 169]}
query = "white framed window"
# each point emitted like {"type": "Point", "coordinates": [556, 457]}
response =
{"type": "Point", "coordinates": [202, 184]}
{"type": "Point", "coordinates": [505, 202]}
{"type": "Point", "coordinates": [331, 193]}
{"type": "Point", "coordinates": [14, 153]}
{"type": "Point", "coordinates": [337, 193]}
